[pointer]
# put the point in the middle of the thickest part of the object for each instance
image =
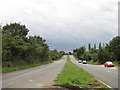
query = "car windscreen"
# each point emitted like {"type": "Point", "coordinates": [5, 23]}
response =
{"type": "Point", "coordinates": [109, 63]}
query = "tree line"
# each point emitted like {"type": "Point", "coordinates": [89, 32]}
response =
{"type": "Point", "coordinates": [106, 52]}
{"type": "Point", "coordinates": [19, 49]}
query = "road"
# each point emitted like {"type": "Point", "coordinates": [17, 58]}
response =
{"type": "Point", "coordinates": [107, 75]}
{"type": "Point", "coordinates": [35, 77]}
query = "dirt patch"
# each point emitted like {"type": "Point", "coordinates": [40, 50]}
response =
{"type": "Point", "coordinates": [72, 87]}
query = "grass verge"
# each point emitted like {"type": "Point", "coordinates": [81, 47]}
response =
{"type": "Point", "coordinates": [73, 75]}
{"type": "Point", "coordinates": [10, 69]}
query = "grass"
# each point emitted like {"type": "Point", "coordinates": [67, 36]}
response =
{"type": "Point", "coordinates": [10, 69]}
{"type": "Point", "coordinates": [73, 75]}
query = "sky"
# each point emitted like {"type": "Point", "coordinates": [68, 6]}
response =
{"type": "Point", "coordinates": [64, 24]}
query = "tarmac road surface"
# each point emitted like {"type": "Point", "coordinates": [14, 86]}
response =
{"type": "Point", "coordinates": [33, 77]}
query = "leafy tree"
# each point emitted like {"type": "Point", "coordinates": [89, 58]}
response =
{"type": "Point", "coordinates": [94, 46]}
{"type": "Point", "coordinates": [109, 52]}
{"type": "Point", "coordinates": [93, 53]}
{"type": "Point", "coordinates": [80, 52]}
{"type": "Point", "coordinates": [75, 50]}
{"type": "Point", "coordinates": [54, 54]}
{"type": "Point", "coordinates": [18, 50]}
{"type": "Point", "coordinates": [89, 46]}
{"type": "Point", "coordinates": [93, 50]}
{"type": "Point", "coordinates": [115, 47]}
{"type": "Point", "coordinates": [86, 56]}
{"type": "Point", "coordinates": [15, 29]}
{"type": "Point", "coordinates": [70, 53]}
{"type": "Point", "coordinates": [12, 48]}
{"type": "Point", "coordinates": [103, 55]}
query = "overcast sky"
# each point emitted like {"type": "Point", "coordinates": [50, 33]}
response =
{"type": "Point", "coordinates": [65, 24]}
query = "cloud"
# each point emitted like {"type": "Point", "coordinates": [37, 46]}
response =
{"type": "Point", "coordinates": [65, 24]}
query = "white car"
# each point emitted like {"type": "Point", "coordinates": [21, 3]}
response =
{"type": "Point", "coordinates": [84, 62]}
{"type": "Point", "coordinates": [79, 61]}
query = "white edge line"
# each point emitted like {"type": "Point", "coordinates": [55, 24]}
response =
{"type": "Point", "coordinates": [103, 83]}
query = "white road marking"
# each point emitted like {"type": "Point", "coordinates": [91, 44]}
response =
{"type": "Point", "coordinates": [105, 84]}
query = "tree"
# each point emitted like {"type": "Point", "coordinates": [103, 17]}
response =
{"type": "Point", "coordinates": [70, 53]}
{"type": "Point", "coordinates": [87, 56]}
{"type": "Point", "coordinates": [93, 53]}
{"type": "Point", "coordinates": [54, 54]}
{"type": "Point", "coordinates": [94, 46]}
{"type": "Point", "coordinates": [12, 49]}
{"type": "Point", "coordinates": [80, 52]}
{"type": "Point", "coordinates": [89, 46]}
{"type": "Point", "coordinates": [92, 50]}
{"type": "Point", "coordinates": [15, 29]}
{"type": "Point", "coordinates": [75, 50]}
{"type": "Point", "coordinates": [103, 55]}
{"type": "Point", "coordinates": [17, 49]}
{"type": "Point", "coordinates": [115, 47]}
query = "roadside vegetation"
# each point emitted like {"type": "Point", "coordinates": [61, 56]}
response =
{"type": "Point", "coordinates": [20, 51]}
{"type": "Point", "coordinates": [10, 69]}
{"type": "Point", "coordinates": [105, 52]}
{"type": "Point", "coordinates": [73, 76]}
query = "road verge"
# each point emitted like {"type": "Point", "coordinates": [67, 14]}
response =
{"type": "Point", "coordinates": [74, 77]}
{"type": "Point", "coordinates": [10, 69]}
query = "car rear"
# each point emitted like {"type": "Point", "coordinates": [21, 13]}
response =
{"type": "Point", "coordinates": [84, 62]}
{"type": "Point", "coordinates": [79, 61]}
{"type": "Point", "coordinates": [109, 64]}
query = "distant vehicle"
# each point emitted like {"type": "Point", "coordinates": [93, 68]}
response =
{"type": "Point", "coordinates": [84, 62]}
{"type": "Point", "coordinates": [79, 61]}
{"type": "Point", "coordinates": [109, 64]}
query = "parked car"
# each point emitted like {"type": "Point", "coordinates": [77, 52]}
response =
{"type": "Point", "coordinates": [79, 61]}
{"type": "Point", "coordinates": [109, 64]}
{"type": "Point", "coordinates": [84, 62]}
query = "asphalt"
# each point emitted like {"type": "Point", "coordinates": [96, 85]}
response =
{"type": "Point", "coordinates": [35, 77]}
{"type": "Point", "coordinates": [108, 75]}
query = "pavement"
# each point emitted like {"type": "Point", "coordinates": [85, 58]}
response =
{"type": "Point", "coordinates": [36, 77]}
{"type": "Point", "coordinates": [107, 75]}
